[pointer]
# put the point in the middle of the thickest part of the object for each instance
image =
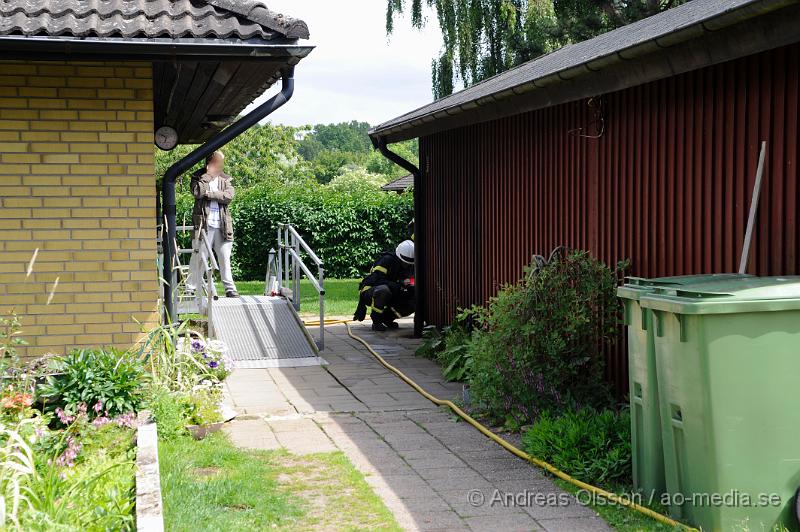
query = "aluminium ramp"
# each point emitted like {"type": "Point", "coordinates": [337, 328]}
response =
{"type": "Point", "coordinates": [263, 332]}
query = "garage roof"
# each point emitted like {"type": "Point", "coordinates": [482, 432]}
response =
{"type": "Point", "coordinates": [577, 71]}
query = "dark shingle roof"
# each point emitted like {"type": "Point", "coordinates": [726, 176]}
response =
{"type": "Point", "coordinates": [242, 19]}
{"type": "Point", "coordinates": [666, 29]}
{"type": "Point", "coordinates": [399, 185]}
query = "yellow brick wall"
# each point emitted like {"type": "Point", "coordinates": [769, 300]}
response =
{"type": "Point", "coordinates": [77, 202]}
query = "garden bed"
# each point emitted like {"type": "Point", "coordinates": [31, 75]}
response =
{"type": "Point", "coordinates": [68, 456]}
{"type": "Point", "coordinates": [65, 472]}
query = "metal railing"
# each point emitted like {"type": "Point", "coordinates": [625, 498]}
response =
{"type": "Point", "coordinates": [290, 266]}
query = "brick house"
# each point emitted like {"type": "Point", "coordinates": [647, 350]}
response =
{"type": "Point", "coordinates": [83, 86]}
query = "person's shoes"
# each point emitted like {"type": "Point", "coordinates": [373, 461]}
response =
{"type": "Point", "coordinates": [231, 293]}
{"type": "Point", "coordinates": [392, 325]}
{"type": "Point", "coordinates": [378, 326]}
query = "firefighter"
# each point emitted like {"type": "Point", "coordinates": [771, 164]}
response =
{"type": "Point", "coordinates": [388, 290]}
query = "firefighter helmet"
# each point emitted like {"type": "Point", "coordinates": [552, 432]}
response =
{"type": "Point", "coordinates": [405, 251]}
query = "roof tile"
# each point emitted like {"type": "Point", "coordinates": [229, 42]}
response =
{"type": "Point", "coordinates": [243, 19]}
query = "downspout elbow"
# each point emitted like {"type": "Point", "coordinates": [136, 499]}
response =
{"type": "Point", "coordinates": [396, 159]}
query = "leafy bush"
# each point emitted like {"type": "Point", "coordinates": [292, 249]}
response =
{"type": "Point", "coordinates": [356, 181]}
{"type": "Point", "coordinates": [539, 343]}
{"type": "Point", "coordinates": [593, 446]}
{"type": "Point", "coordinates": [104, 377]}
{"type": "Point", "coordinates": [167, 411]}
{"type": "Point", "coordinates": [201, 407]}
{"type": "Point", "coordinates": [450, 347]}
{"type": "Point", "coordinates": [347, 227]}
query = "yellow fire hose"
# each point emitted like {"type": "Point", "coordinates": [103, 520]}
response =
{"type": "Point", "coordinates": [506, 445]}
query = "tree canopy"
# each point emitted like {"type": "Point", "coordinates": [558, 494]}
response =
{"type": "Point", "coordinates": [485, 37]}
{"type": "Point", "coordinates": [331, 149]}
{"type": "Point", "coordinates": [283, 154]}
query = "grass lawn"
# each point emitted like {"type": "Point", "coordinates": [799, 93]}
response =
{"type": "Point", "coordinates": [341, 295]}
{"type": "Point", "coordinates": [212, 485]}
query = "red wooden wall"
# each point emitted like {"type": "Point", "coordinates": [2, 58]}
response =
{"type": "Point", "coordinates": [667, 185]}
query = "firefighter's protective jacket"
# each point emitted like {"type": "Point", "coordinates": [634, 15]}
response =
{"type": "Point", "coordinates": [388, 270]}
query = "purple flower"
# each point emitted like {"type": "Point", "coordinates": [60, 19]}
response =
{"type": "Point", "coordinates": [197, 346]}
{"type": "Point", "coordinates": [98, 407]}
{"type": "Point", "coordinates": [101, 421]}
{"type": "Point", "coordinates": [213, 364]}
{"type": "Point", "coordinates": [69, 455]}
{"type": "Point", "coordinates": [126, 420]}
{"type": "Point", "coordinates": [63, 417]}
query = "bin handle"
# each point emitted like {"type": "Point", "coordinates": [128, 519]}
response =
{"type": "Point", "coordinates": [658, 322]}
{"type": "Point", "coordinates": [682, 326]}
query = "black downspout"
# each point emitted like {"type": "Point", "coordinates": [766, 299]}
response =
{"type": "Point", "coordinates": [419, 234]}
{"type": "Point", "coordinates": [197, 155]}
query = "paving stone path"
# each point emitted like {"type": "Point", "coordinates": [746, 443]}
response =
{"type": "Point", "coordinates": [432, 471]}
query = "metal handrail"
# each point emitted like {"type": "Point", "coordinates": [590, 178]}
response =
{"type": "Point", "coordinates": [291, 264]}
{"type": "Point", "coordinates": [302, 243]}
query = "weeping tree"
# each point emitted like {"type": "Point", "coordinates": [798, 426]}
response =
{"type": "Point", "coordinates": [485, 37]}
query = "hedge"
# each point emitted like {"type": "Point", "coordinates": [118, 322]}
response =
{"type": "Point", "coordinates": [346, 228]}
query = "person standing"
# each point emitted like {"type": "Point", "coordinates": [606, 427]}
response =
{"type": "Point", "coordinates": [211, 217]}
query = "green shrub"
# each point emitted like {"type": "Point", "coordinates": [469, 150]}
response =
{"type": "Point", "coordinates": [346, 226]}
{"type": "Point", "coordinates": [201, 407]}
{"type": "Point", "coordinates": [592, 446]}
{"type": "Point", "coordinates": [87, 378]}
{"type": "Point", "coordinates": [450, 347]}
{"type": "Point", "coordinates": [539, 343]}
{"type": "Point", "coordinates": [168, 412]}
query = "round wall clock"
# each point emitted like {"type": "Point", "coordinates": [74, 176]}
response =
{"type": "Point", "coordinates": [166, 138]}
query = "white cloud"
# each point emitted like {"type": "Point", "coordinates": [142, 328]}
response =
{"type": "Point", "coordinates": [356, 72]}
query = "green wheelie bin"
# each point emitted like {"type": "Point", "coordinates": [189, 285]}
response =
{"type": "Point", "coordinates": [646, 446]}
{"type": "Point", "coordinates": [728, 364]}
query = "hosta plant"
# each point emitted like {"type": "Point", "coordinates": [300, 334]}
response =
{"type": "Point", "coordinates": [86, 378]}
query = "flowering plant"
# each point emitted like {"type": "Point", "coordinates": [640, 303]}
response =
{"type": "Point", "coordinates": [212, 359]}
{"type": "Point", "coordinates": [15, 405]}
{"type": "Point", "coordinates": [201, 407]}
{"type": "Point", "coordinates": [113, 379]}
{"type": "Point", "coordinates": [66, 444]}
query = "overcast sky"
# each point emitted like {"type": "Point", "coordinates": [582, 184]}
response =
{"type": "Point", "coordinates": [356, 72]}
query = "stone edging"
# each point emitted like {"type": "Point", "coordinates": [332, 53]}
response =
{"type": "Point", "coordinates": [149, 508]}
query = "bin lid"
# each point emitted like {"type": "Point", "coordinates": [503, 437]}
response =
{"type": "Point", "coordinates": [636, 287]}
{"type": "Point", "coordinates": [728, 296]}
